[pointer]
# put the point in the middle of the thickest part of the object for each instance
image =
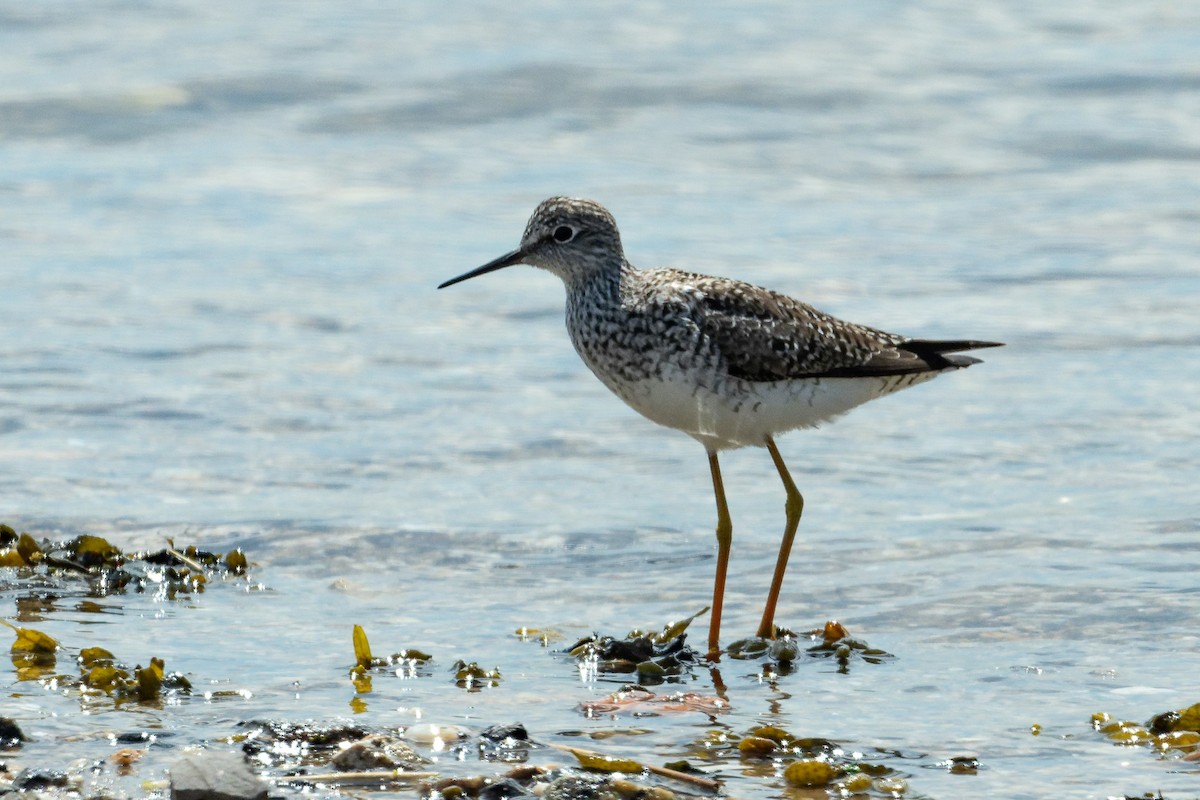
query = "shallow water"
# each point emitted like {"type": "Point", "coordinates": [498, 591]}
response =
{"type": "Point", "coordinates": [220, 229]}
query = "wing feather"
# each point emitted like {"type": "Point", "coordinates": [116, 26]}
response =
{"type": "Point", "coordinates": [765, 336]}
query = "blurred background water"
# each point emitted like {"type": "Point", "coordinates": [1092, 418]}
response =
{"type": "Point", "coordinates": [221, 226]}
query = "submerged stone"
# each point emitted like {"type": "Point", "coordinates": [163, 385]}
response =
{"type": "Point", "coordinates": [212, 775]}
{"type": "Point", "coordinates": [499, 733]}
{"type": "Point", "coordinates": [30, 780]}
{"type": "Point", "coordinates": [575, 787]}
{"type": "Point", "coordinates": [378, 751]}
{"type": "Point", "coordinates": [503, 789]}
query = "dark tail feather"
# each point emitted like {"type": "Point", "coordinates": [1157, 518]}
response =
{"type": "Point", "coordinates": [947, 345]}
{"type": "Point", "coordinates": [939, 354]}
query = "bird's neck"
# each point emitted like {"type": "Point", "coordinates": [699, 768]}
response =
{"type": "Point", "coordinates": [600, 287]}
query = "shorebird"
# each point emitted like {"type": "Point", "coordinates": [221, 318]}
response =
{"type": "Point", "coordinates": [730, 364]}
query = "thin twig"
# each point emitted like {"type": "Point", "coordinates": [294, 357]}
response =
{"type": "Point", "coordinates": [192, 563]}
{"type": "Point", "coordinates": [666, 772]}
{"type": "Point", "coordinates": [362, 777]}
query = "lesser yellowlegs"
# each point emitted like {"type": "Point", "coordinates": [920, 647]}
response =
{"type": "Point", "coordinates": [728, 363]}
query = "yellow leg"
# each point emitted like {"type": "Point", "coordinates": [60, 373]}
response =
{"type": "Point", "coordinates": [795, 507]}
{"type": "Point", "coordinates": [724, 540]}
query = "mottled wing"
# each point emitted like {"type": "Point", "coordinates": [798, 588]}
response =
{"type": "Point", "coordinates": [766, 336]}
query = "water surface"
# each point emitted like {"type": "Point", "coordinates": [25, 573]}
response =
{"type": "Point", "coordinates": [221, 226]}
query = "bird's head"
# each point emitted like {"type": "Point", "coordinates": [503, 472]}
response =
{"type": "Point", "coordinates": [575, 239]}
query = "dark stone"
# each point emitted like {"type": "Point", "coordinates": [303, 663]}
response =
{"type": "Point", "coordinates": [676, 645]}
{"type": "Point", "coordinates": [142, 737]}
{"type": "Point", "coordinates": [498, 733]}
{"type": "Point", "coordinates": [503, 789]}
{"type": "Point", "coordinates": [635, 650]}
{"type": "Point", "coordinates": [10, 735]}
{"type": "Point", "coordinates": [211, 775]}
{"type": "Point", "coordinates": [1163, 723]}
{"type": "Point", "coordinates": [573, 787]}
{"type": "Point", "coordinates": [506, 743]}
{"type": "Point", "coordinates": [267, 736]}
{"type": "Point", "coordinates": [29, 780]}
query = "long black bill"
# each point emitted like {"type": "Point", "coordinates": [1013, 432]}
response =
{"type": "Point", "coordinates": [506, 260]}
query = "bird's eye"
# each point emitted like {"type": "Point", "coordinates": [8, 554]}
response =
{"type": "Point", "coordinates": [563, 234]}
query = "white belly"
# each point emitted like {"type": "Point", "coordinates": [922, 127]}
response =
{"type": "Point", "coordinates": [735, 413]}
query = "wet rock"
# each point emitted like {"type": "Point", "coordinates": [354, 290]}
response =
{"type": "Point", "coordinates": [963, 764]}
{"type": "Point", "coordinates": [498, 733]}
{"type": "Point", "coordinates": [654, 657]}
{"type": "Point", "coordinates": [434, 735]}
{"type": "Point", "coordinates": [505, 743]}
{"type": "Point", "coordinates": [141, 737]}
{"type": "Point", "coordinates": [211, 775]}
{"type": "Point", "coordinates": [32, 780]}
{"type": "Point", "coordinates": [10, 734]}
{"type": "Point", "coordinates": [503, 789]}
{"type": "Point", "coordinates": [451, 788]}
{"type": "Point", "coordinates": [526, 774]}
{"type": "Point", "coordinates": [635, 650]}
{"type": "Point", "coordinates": [1164, 723]}
{"type": "Point", "coordinates": [576, 787]}
{"type": "Point", "coordinates": [271, 741]}
{"type": "Point", "coordinates": [378, 751]}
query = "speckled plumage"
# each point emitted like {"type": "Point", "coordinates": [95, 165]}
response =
{"type": "Point", "coordinates": [726, 362]}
